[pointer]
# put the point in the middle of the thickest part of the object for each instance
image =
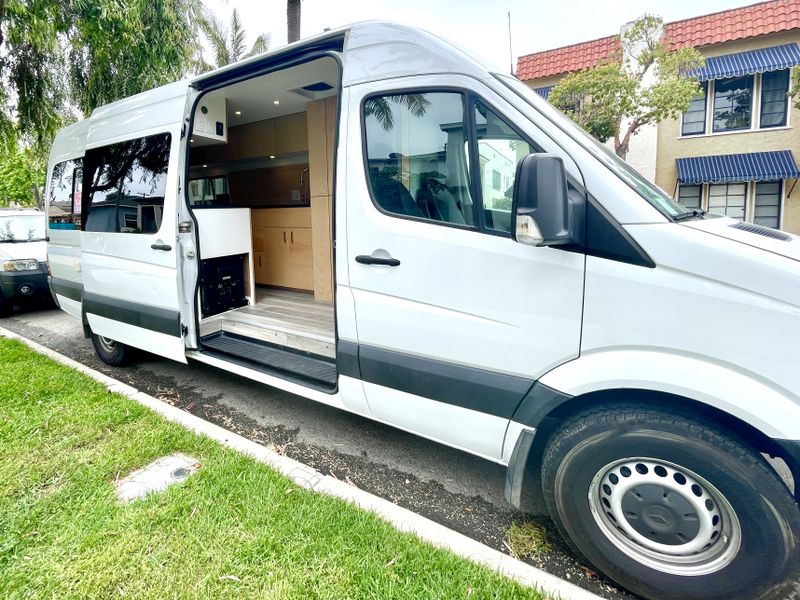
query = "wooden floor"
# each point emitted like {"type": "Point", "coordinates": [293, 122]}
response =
{"type": "Point", "coordinates": [283, 317]}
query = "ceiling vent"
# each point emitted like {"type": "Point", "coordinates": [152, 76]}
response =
{"type": "Point", "coordinates": [314, 91]}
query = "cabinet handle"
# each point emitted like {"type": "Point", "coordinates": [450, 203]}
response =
{"type": "Point", "coordinates": [291, 236]}
{"type": "Point", "coordinates": [284, 237]}
{"type": "Point", "coordinates": [259, 260]}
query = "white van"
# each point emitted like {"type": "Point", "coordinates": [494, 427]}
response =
{"type": "Point", "coordinates": [23, 258]}
{"type": "Point", "coordinates": [373, 220]}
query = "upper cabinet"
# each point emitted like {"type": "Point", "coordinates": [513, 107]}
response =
{"type": "Point", "coordinates": [270, 138]}
{"type": "Point", "coordinates": [291, 134]}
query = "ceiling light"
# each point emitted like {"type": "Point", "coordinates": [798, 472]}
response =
{"type": "Point", "coordinates": [191, 140]}
{"type": "Point", "coordinates": [276, 101]}
{"type": "Point", "coordinates": [272, 156]}
{"type": "Point", "coordinates": [205, 166]}
{"type": "Point", "coordinates": [238, 112]}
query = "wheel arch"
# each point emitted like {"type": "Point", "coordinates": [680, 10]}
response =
{"type": "Point", "coordinates": [523, 488]}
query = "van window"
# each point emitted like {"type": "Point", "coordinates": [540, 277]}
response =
{"type": "Point", "coordinates": [208, 192]}
{"type": "Point", "coordinates": [415, 156]}
{"type": "Point", "coordinates": [125, 185]}
{"type": "Point", "coordinates": [64, 197]}
{"type": "Point", "coordinates": [500, 149]}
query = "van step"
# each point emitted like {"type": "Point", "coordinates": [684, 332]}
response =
{"type": "Point", "coordinates": [262, 354]}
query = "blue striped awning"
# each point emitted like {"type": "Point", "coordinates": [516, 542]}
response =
{"type": "Point", "coordinates": [731, 168]}
{"type": "Point", "coordinates": [544, 92]}
{"type": "Point", "coordinates": [762, 60]}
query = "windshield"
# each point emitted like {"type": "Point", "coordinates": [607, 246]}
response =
{"type": "Point", "coordinates": [653, 194]}
{"type": "Point", "coordinates": [22, 228]}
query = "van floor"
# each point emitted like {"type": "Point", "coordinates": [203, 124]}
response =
{"type": "Point", "coordinates": [281, 317]}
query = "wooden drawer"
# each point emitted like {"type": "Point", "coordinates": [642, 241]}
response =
{"type": "Point", "coordinates": [281, 217]}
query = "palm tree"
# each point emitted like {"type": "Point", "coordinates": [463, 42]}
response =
{"type": "Point", "coordinates": [293, 20]}
{"type": "Point", "coordinates": [227, 43]}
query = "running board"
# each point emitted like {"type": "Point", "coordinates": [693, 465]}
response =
{"type": "Point", "coordinates": [301, 367]}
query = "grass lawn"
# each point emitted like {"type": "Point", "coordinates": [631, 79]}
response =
{"type": "Point", "coordinates": [235, 528]}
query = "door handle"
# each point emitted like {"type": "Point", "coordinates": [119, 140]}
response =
{"type": "Point", "coordinates": [366, 259]}
{"type": "Point", "coordinates": [161, 246]}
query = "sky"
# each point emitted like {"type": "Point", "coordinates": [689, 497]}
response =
{"type": "Point", "coordinates": [480, 26]}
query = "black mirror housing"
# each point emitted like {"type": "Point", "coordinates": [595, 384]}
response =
{"type": "Point", "coordinates": [540, 211]}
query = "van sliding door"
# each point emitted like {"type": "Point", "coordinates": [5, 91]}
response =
{"type": "Point", "coordinates": [128, 247]}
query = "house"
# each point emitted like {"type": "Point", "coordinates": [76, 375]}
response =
{"type": "Point", "coordinates": [734, 151]}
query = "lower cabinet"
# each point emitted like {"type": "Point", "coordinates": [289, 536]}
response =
{"type": "Point", "coordinates": [283, 257]}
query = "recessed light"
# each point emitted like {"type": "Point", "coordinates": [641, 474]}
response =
{"type": "Point", "coordinates": [276, 101]}
{"type": "Point", "coordinates": [238, 112]}
{"type": "Point", "coordinates": [272, 156]}
{"type": "Point", "coordinates": [191, 140]}
{"type": "Point", "coordinates": [205, 166]}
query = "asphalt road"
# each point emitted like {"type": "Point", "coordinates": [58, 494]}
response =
{"type": "Point", "coordinates": [456, 489]}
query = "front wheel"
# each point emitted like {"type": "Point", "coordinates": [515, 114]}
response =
{"type": "Point", "coordinates": [671, 508]}
{"type": "Point", "coordinates": [113, 353]}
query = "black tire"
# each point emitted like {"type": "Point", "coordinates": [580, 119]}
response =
{"type": "Point", "coordinates": [691, 464]}
{"type": "Point", "coordinates": [115, 354]}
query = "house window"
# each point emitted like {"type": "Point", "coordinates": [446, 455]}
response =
{"type": "Point", "coordinates": [727, 199]}
{"type": "Point", "coordinates": [694, 119]}
{"type": "Point", "coordinates": [774, 98]}
{"type": "Point", "coordinates": [767, 204]}
{"type": "Point", "coordinates": [690, 196]}
{"type": "Point", "coordinates": [733, 103]}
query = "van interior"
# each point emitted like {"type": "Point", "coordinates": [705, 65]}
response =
{"type": "Point", "coordinates": [260, 189]}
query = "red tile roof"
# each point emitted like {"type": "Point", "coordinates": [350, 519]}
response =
{"type": "Point", "coordinates": [725, 26]}
{"type": "Point", "coordinates": [566, 59]}
{"type": "Point", "coordinates": [735, 24]}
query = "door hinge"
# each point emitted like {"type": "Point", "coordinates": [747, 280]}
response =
{"type": "Point", "coordinates": [185, 227]}
{"type": "Point", "coordinates": [183, 131]}
{"type": "Point", "coordinates": [184, 329]}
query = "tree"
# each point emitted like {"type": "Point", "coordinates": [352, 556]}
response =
{"type": "Point", "coordinates": [293, 20]}
{"type": "Point", "coordinates": [615, 99]}
{"type": "Point", "coordinates": [227, 43]}
{"type": "Point", "coordinates": [21, 172]}
{"type": "Point", "coordinates": [62, 56]}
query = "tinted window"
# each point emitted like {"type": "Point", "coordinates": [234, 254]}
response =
{"type": "Point", "coordinates": [125, 185]}
{"type": "Point", "coordinates": [64, 196]}
{"type": "Point", "coordinates": [733, 99]}
{"type": "Point", "coordinates": [774, 98]}
{"type": "Point", "coordinates": [415, 156]}
{"type": "Point", "coordinates": [694, 119]}
{"type": "Point", "coordinates": [499, 151]}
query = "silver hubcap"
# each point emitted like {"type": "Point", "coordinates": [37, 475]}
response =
{"type": "Point", "coordinates": [107, 344]}
{"type": "Point", "coordinates": [664, 516]}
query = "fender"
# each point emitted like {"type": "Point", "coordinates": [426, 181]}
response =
{"type": "Point", "coordinates": [772, 410]}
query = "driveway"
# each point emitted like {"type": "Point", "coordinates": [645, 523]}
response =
{"type": "Point", "coordinates": [460, 491]}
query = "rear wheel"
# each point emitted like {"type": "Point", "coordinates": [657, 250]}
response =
{"type": "Point", "coordinates": [671, 508]}
{"type": "Point", "coordinates": [112, 352]}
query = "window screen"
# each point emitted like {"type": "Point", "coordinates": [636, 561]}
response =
{"type": "Point", "coordinates": [767, 207]}
{"type": "Point", "coordinates": [774, 98]}
{"type": "Point", "coordinates": [733, 99]}
{"type": "Point", "coordinates": [125, 185]}
{"type": "Point", "coordinates": [64, 196]}
{"type": "Point", "coordinates": [415, 156]}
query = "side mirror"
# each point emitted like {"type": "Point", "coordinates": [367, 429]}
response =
{"type": "Point", "coordinates": [540, 210]}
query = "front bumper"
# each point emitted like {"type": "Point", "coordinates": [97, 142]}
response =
{"type": "Point", "coordinates": [18, 285]}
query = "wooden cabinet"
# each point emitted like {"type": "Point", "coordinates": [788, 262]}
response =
{"type": "Point", "coordinates": [291, 134]}
{"type": "Point", "coordinates": [282, 244]}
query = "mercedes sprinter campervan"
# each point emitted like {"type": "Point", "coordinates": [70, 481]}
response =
{"type": "Point", "coordinates": [372, 219]}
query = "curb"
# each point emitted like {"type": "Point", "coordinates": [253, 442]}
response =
{"type": "Point", "coordinates": [304, 476]}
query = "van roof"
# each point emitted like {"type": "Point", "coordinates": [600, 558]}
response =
{"type": "Point", "coordinates": [373, 50]}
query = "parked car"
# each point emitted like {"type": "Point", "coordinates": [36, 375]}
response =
{"type": "Point", "coordinates": [373, 220]}
{"type": "Point", "coordinates": [23, 258]}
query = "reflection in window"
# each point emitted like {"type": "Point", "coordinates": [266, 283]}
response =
{"type": "Point", "coordinates": [126, 184]}
{"type": "Point", "coordinates": [64, 196]}
{"type": "Point", "coordinates": [499, 151]}
{"type": "Point", "coordinates": [415, 158]}
{"type": "Point", "coordinates": [22, 228]}
{"type": "Point", "coordinates": [209, 191]}
{"type": "Point", "coordinates": [733, 99]}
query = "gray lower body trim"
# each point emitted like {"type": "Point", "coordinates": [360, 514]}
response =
{"type": "Point", "coordinates": [154, 318]}
{"type": "Point", "coordinates": [69, 289]}
{"type": "Point", "coordinates": [538, 403]}
{"type": "Point", "coordinates": [484, 391]}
